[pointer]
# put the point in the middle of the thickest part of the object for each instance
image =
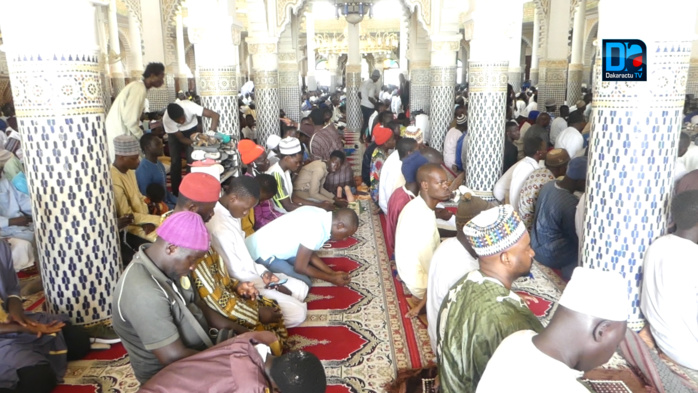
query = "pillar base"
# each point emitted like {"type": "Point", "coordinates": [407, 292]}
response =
{"type": "Point", "coordinates": [420, 89]}
{"type": "Point", "coordinates": [290, 94]}
{"type": "Point", "coordinates": [442, 97]}
{"type": "Point", "coordinates": [486, 114]}
{"type": "Point", "coordinates": [552, 83]}
{"type": "Point", "coordinates": [574, 83]}
{"type": "Point", "coordinates": [267, 103]}
{"type": "Point", "coordinates": [354, 119]}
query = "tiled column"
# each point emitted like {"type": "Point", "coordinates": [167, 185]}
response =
{"type": "Point", "coordinates": [353, 78]}
{"type": "Point", "coordinates": [210, 30]}
{"type": "Point", "coordinates": [154, 51]}
{"type": "Point", "coordinates": [533, 73]}
{"type": "Point", "coordinates": [552, 67]}
{"type": "Point", "coordinates": [692, 85]}
{"type": "Point", "coordinates": [634, 141]}
{"type": "Point", "coordinates": [332, 65]}
{"type": "Point", "coordinates": [289, 88]}
{"type": "Point", "coordinates": [576, 67]}
{"type": "Point", "coordinates": [487, 79]}
{"type": "Point", "coordinates": [420, 83]}
{"type": "Point", "coordinates": [404, 41]}
{"type": "Point", "coordinates": [442, 89]}
{"type": "Point", "coordinates": [266, 83]}
{"type": "Point", "coordinates": [136, 62]}
{"type": "Point", "coordinates": [58, 100]}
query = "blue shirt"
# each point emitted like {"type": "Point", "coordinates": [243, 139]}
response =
{"type": "Point", "coordinates": [307, 226]}
{"type": "Point", "coordinates": [149, 172]}
{"type": "Point", "coordinates": [459, 152]}
{"type": "Point", "coordinates": [553, 237]}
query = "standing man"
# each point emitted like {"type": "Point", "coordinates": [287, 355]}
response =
{"type": "Point", "coordinates": [125, 113]}
{"type": "Point", "coordinates": [417, 236]}
{"type": "Point", "coordinates": [180, 121]}
{"type": "Point", "coordinates": [404, 93]}
{"type": "Point", "coordinates": [554, 236]}
{"type": "Point", "coordinates": [369, 99]}
{"type": "Point", "coordinates": [481, 310]}
{"type": "Point", "coordinates": [451, 141]}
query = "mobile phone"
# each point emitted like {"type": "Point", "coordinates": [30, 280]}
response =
{"type": "Point", "coordinates": [280, 282]}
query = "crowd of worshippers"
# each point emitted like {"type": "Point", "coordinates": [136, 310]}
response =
{"type": "Point", "coordinates": [226, 269]}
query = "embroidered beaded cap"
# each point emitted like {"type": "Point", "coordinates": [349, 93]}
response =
{"type": "Point", "coordinates": [494, 230]}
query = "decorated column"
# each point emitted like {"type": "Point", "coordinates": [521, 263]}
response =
{"type": "Point", "coordinates": [404, 41]}
{"type": "Point", "coordinates": [419, 52]}
{"type": "Point", "coordinates": [487, 78]}
{"type": "Point", "coordinates": [310, 39]}
{"type": "Point", "coordinates": [266, 83]}
{"type": "Point", "coordinates": [58, 101]}
{"type": "Point", "coordinates": [353, 79]}
{"type": "Point", "coordinates": [289, 89]}
{"type": "Point", "coordinates": [154, 52]}
{"type": "Point", "coordinates": [443, 87]}
{"type": "Point", "coordinates": [552, 68]}
{"type": "Point", "coordinates": [534, 48]}
{"type": "Point", "coordinates": [634, 140]}
{"type": "Point", "coordinates": [576, 67]}
{"type": "Point", "coordinates": [514, 32]}
{"type": "Point", "coordinates": [210, 30]}
{"type": "Point", "coordinates": [116, 68]}
{"type": "Point", "coordinates": [183, 71]}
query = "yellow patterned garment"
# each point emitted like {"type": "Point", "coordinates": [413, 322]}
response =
{"type": "Point", "coordinates": [248, 223]}
{"type": "Point", "coordinates": [128, 200]}
{"type": "Point", "coordinates": [219, 291]}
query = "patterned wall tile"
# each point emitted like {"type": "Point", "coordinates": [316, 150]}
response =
{"type": "Point", "coordinates": [633, 149]}
{"type": "Point", "coordinates": [420, 90]}
{"type": "Point", "coordinates": [692, 85]}
{"type": "Point", "coordinates": [552, 82]}
{"type": "Point", "coordinates": [218, 88]}
{"type": "Point", "coordinates": [60, 114]}
{"type": "Point", "coordinates": [354, 121]}
{"type": "Point", "coordinates": [443, 98]}
{"type": "Point", "coordinates": [267, 103]}
{"type": "Point", "coordinates": [290, 94]}
{"type": "Point", "coordinates": [486, 120]}
{"type": "Point", "coordinates": [574, 83]}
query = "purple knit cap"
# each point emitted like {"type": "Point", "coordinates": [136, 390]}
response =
{"type": "Point", "coordinates": [185, 229]}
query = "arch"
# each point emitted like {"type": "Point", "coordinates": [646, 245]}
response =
{"type": "Point", "coordinates": [589, 43]}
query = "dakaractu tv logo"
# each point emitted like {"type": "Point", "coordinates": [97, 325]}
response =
{"type": "Point", "coordinates": [624, 60]}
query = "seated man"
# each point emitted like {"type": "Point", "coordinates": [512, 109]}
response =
{"type": "Point", "coordinates": [311, 178]}
{"type": "Point", "coordinates": [403, 195]}
{"type": "Point", "coordinates": [238, 301]}
{"type": "Point", "coordinates": [174, 323]}
{"type": "Point", "coordinates": [35, 347]}
{"type": "Point", "coordinates": [385, 141]}
{"type": "Point", "coordinates": [127, 198]}
{"type": "Point", "coordinates": [451, 261]}
{"type": "Point", "coordinates": [391, 173]}
{"type": "Point", "coordinates": [264, 212]}
{"type": "Point", "coordinates": [555, 166]}
{"type": "Point", "coordinates": [508, 187]}
{"type": "Point", "coordinates": [669, 290]}
{"type": "Point", "coordinates": [554, 237]}
{"type": "Point", "coordinates": [16, 224]}
{"type": "Point", "coordinates": [480, 310]}
{"type": "Point", "coordinates": [242, 364]}
{"type": "Point", "coordinates": [228, 239]}
{"type": "Point", "coordinates": [288, 244]}
{"type": "Point", "coordinates": [417, 236]}
{"type": "Point", "coordinates": [151, 170]}
{"type": "Point", "coordinates": [290, 156]}
{"type": "Point", "coordinates": [583, 334]}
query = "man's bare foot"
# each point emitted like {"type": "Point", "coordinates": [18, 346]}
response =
{"type": "Point", "coordinates": [350, 196]}
{"type": "Point", "coordinates": [340, 279]}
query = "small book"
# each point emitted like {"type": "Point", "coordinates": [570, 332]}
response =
{"type": "Point", "coordinates": [607, 386]}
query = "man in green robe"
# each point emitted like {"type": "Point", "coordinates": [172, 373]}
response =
{"type": "Point", "coordinates": [480, 310]}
